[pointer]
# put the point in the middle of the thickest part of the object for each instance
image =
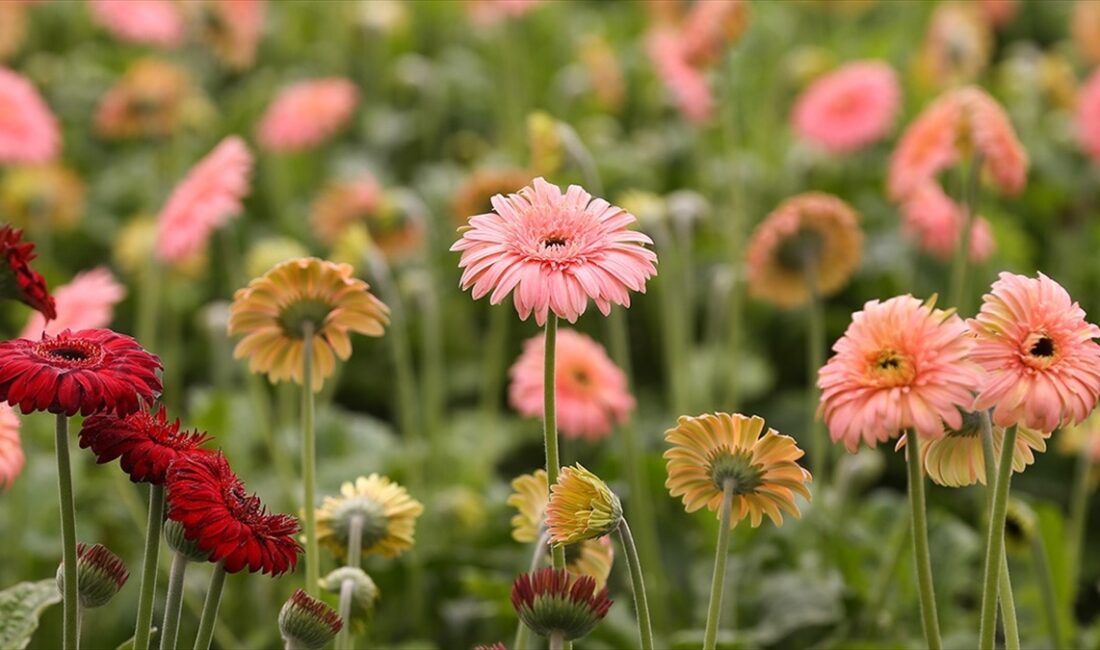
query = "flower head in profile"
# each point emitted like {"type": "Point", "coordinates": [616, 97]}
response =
{"type": "Point", "coordinates": [554, 602]}
{"type": "Point", "coordinates": [475, 194]}
{"type": "Point", "coordinates": [383, 508]}
{"type": "Point", "coordinates": [556, 251]}
{"type": "Point", "coordinates": [29, 133]}
{"type": "Point", "coordinates": [18, 281]}
{"type": "Point", "coordinates": [207, 498]}
{"type": "Point", "coordinates": [153, 98]}
{"type": "Point", "coordinates": [308, 623]}
{"type": "Point", "coordinates": [530, 496]}
{"type": "Point", "coordinates": [809, 235]}
{"type": "Point", "coordinates": [204, 200]}
{"type": "Point", "coordinates": [307, 113]}
{"type": "Point", "coordinates": [849, 108]}
{"type": "Point", "coordinates": [592, 557]}
{"type": "Point", "coordinates": [145, 443]}
{"type": "Point", "coordinates": [901, 364]}
{"type": "Point", "coordinates": [232, 29]}
{"type": "Point", "coordinates": [591, 390]}
{"type": "Point", "coordinates": [1042, 364]}
{"type": "Point", "coordinates": [51, 195]}
{"type": "Point", "coordinates": [11, 449]}
{"type": "Point", "coordinates": [581, 507]}
{"type": "Point", "coordinates": [276, 309]}
{"type": "Point", "coordinates": [100, 574]}
{"type": "Point", "coordinates": [86, 372]}
{"type": "Point", "coordinates": [936, 222]}
{"type": "Point", "coordinates": [88, 302]}
{"type": "Point", "coordinates": [1088, 113]}
{"type": "Point", "coordinates": [150, 22]}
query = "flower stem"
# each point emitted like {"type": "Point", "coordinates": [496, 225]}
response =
{"type": "Point", "coordinates": [1008, 602]}
{"type": "Point", "coordinates": [354, 559]}
{"type": "Point", "coordinates": [170, 629]}
{"type": "Point", "coordinates": [549, 418]}
{"type": "Point", "coordinates": [960, 265]}
{"type": "Point", "coordinates": [523, 633]}
{"type": "Point", "coordinates": [556, 641]}
{"type": "Point", "coordinates": [718, 581]}
{"type": "Point", "coordinates": [210, 608]}
{"type": "Point", "coordinates": [995, 542]}
{"type": "Point", "coordinates": [309, 464]}
{"type": "Point", "coordinates": [149, 568]}
{"type": "Point", "coordinates": [815, 357]}
{"type": "Point", "coordinates": [637, 582]}
{"type": "Point", "coordinates": [922, 557]}
{"type": "Point", "coordinates": [1046, 587]}
{"type": "Point", "coordinates": [68, 530]}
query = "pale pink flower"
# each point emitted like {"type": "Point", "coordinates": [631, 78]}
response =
{"type": "Point", "coordinates": [710, 24]}
{"type": "Point", "coordinates": [926, 147]}
{"type": "Point", "coordinates": [556, 251]}
{"type": "Point", "coordinates": [591, 390]}
{"type": "Point", "coordinates": [688, 84]}
{"type": "Point", "coordinates": [850, 107]}
{"type": "Point", "coordinates": [307, 113]}
{"type": "Point", "coordinates": [151, 22]}
{"type": "Point", "coordinates": [992, 136]}
{"type": "Point", "coordinates": [88, 302]}
{"type": "Point", "coordinates": [901, 364]}
{"type": "Point", "coordinates": [29, 133]}
{"type": "Point", "coordinates": [1042, 365]}
{"type": "Point", "coordinates": [11, 451]}
{"type": "Point", "coordinates": [204, 200]}
{"type": "Point", "coordinates": [935, 221]}
{"type": "Point", "coordinates": [1088, 116]}
{"type": "Point", "coordinates": [491, 12]}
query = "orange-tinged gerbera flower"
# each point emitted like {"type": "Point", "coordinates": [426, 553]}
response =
{"type": "Point", "coordinates": [343, 203]}
{"type": "Point", "coordinates": [307, 113]}
{"type": "Point", "coordinates": [232, 28]}
{"type": "Point", "coordinates": [88, 302]}
{"type": "Point", "coordinates": [11, 450]}
{"type": "Point", "coordinates": [581, 507]}
{"type": "Point", "coordinates": [813, 230]}
{"type": "Point", "coordinates": [901, 364]}
{"type": "Point", "coordinates": [476, 193]}
{"type": "Point", "coordinates": [273, 311]}
{"type": "Point", "coordinates": [1042, 365]}
{"type": "Point", "coordinates": [956, 47]}
{"type": "Point", "coordinates": [1084, 25]}
{"type": "Point", "coordinates": [1088, 114]}
{"type": "Point", "coordinates": [710, 450]}
{"type": "Point", "coordinates": [936, 222]}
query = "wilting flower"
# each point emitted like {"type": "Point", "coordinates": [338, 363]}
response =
{"type": "Point", "coordinates": [386, 511]}
{"type": "Point", "coordinates": [218, 514]}
{"type": "Point", "coordinates": [88, 371]}
{"type": "Point", "coordinates": [490, 12]}
{"type": "Point", "coordinates": [307, 113]}
{"type": "Point", "coordinates": [581, 507]}
{"type": "Point", "coordinates": [687, 83]}
{"type": "Point", "coordinates": [1085, 27]}
{"type": "Point", "coordinates": [957, 45]}
{"type": "Point", "coordinates": [29, 133]}
{"type": "Point", "coordinates": [554, 602]}
{"type": "Point", "coordinates": [591, 390]}
{"type": "Point", "coordinates": [274, 310]}
{"type": "Point", "coordinates": [901, 364]}
{"type": "Point", "coordinates": [1088, 113]}
{"type": "Point", "coordinates": [809, 235]}
{"type": "Point", "coordinates": [475, 194]}
{"type": "Point", "coordinates": [850, 107]}
{"type": "Point", "coordinates": [50, 195]}
{"type": "Point", "coordinates": [18, 281]}
{"type": "Point", "coordinates": [556, 250]}
{"type": "Point", "coordinates": [1042, 365]}
{"type": "Point", "coordinates": [88, 302]}
{"type": "Point", "coordinates": [710, 450]}
{"type": "Point", "coordinates": [232, 28]}
{"type": "Point", "coordinates": [151, 22]}
{"type": "Point", "coordinates": [343, 203]}
{"type": "Point", "coordinates": [100, 574]}
{"type": "Point", "coordinates": [145, 443]}
{"type": "Point", "coordinates": [152, 99]}
{"type": "Point", "coordinates": [308, 623]}
{"type": "Point", "coordinates": [936, 222]}
{"type": "Point", "coordinates": [204, 200]}
{"type": "Point", "coordinates": [11, 450]}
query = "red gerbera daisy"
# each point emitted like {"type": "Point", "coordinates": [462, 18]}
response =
{"type": "Point", "coordinates": [18, 280]}
{"type": "Point", "coordinates": [207, 498]}
{"type": "Point", "coordinates": [89, 371]}
{"type": "Point", "coordinates": [145, 443]}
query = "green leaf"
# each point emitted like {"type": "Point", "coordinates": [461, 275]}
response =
{"type": "Point", "coordinates": [20, 607]}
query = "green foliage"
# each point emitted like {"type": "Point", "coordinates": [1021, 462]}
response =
{"type": "Point", "coordinates": [20, 608]}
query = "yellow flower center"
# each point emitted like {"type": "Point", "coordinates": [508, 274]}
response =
{"type": "Point", "coordinates": [308, 310]}
{"type": "Point", "coordinates": [728, 465]}
{"type": "Point", "coordinates": [891, 368]}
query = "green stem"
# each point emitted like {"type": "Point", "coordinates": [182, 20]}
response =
{"type": "Point", "coordinates": [149, 568]}
{"type": "Point", "coordinates": [210, 608]}
{"type": "Point", "coordinates": [523, 633]}
{"type": "Point", "coordinates": [995, 542]}
{"type": "Point", "coordinates": [718, 580]}
{"type": "Point", "coordinates": [1004, 580]}
{"type": "Point", "coordinates": [961, 263]}
{"type": "Point", "coordinates": [921, 556]}
{"type": "Point", "coordinates": [148, 303]}
{"type": "Point", "coordinates": [815, 358]}
{"type": "Point", "coordinates": [637, 583]}
{"type": "Point", "coordinates": [68, 530]}
{"type": "Point", "coordinates": [549, 418]}
{"type": "Point", "coordinates": [1046, 587]}
{"type": "Point", "coordinates": [309, 465]}
{"type": "Point", "coordinates": [1078, 514]}
{"type": "Point", "coordinates": [169, 634]}
{"type": "Point", "coordinates": [354, 559]}
{"type": "Point", "coordinates": [556, 641]}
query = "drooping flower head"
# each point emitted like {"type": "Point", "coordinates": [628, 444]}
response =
{"type": "Point", "coordinates": [556, 251]}
{"type": "Point", "coordinates": [307, 113]}
{"type": "Point", "coordinates": [18, 281]}
{"type": "Point", "coordinates": [86, 372]}
{"type": "Point", "coordinates": [274, 311]}
{"type": "Point", "coordinates": [809, 234]}
{"type": "Point", "coordinates": [386, 221]}
{"type": "Point", "coordinates": [145, 443]}
{"type": "Point", "coordinates": [1042, 365]}
{"type": "Point", "coordinates": [205, 200]}
{"type": "Point", "coordinates": [1088, 113]}
{"type": "Point", "coordinates": [207, 498]}
{"type": "Point", "coordinates": [153, 98]}
{"type": "Point", "coordinates": [11, 449]}
{"type": "Point", "coordinates": [46, 195]}
{"type": "Point", "coordinates": [29, 133]}
{"type": "Point", "coordinates": [387, 512]}
{"type": "Point", "coordinates": [100, 574]}
{"type": "Point", "coordinates": [849, 108]}
{"type": "Point", "coordinates": [581, 507]}
{"type": "Point", "coordinates": [712, 450]}
{"type": "Point", "coordinates": [475, 194]}
{"type": "Point", "coordinates": [901, 364]}
{"type": "Point", "coordinates": [554, 602]}
{"type": "Point", "coordinates": [308, 623]}
{"type": "Point", "coordinates": [364, 593]}
{"type": "Point", "coordinates": [936, 222]}
{"type": "Point", "coordinates": [232, 29]}
{"type": "Point", "coordinates": [88, 302]}
{"type": "Point", "coordinates": [957, 45]}
{"type": "Point", "coordinates": [150, 22]}
{"type": "Point", "coordinates": [592, 395]}
{"type": "Point", "coordinates": [343, 203]}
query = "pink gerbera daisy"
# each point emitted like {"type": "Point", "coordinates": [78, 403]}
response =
{"type": "Point", "coordinates": [307, 113]}
{"type": "Point", "coordinates": [591, 390]}
{"type": "Point", "coordinates": [1042, 365]}
{"type": "Point", "coordinates": [850, 107]}
{"type": "Point", "coordinates": [935, 221]}
{"type": "Point", "coordinates": [209, 195]}
{"type": "Point", "coordinates": [1088, 116]}
{"type": "Point", "coordinates": [11, 450]}
{"type": "Point", "coordinates": [151, 22]}
{"type": "Point", "coordinates": [556, 250]}
{"type": "Point", "coordinates": [28, 130]}
{"type": "Point", "coordinates": [901, 364]}
{"type": "Point", "coordinates": [688, 84]}
{"type": "Point", "coordinates": [88, 302]}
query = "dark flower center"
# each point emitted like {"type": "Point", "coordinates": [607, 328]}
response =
{"type": "Point", "coordinates": [799, 250]}
{"type": "Point", "coordinates": [70, 353]}
{"type": "Point", "coordinates": [1044, 347]}
{"type": "Point", "coordinates": [891, 368]}
{"type": "Point", "coordinates": [554, 242]}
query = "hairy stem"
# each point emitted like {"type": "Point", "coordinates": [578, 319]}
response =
{"type": "Point", "coordinates": [995, 542]}
{"type": "Point", "coordinates": [921, 556]}
{"type": "Point", "coordinates": [718, 580]}
{"type": "Point", "coordinates": [210, 608]}
{"type": "Point", "coordinates": [549, 418]}
{"type": "Point", "coordinates": [309, 465]}
{"type": "Point", "coordinates": [68, 531]}
{"type": "Point", "coordinates": [637, 583]}
{"type": "Point", "coordinates": [170, 629]}
{"type": "Point", "coordinates": [149, 568]}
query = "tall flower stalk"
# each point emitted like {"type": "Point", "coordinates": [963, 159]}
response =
{"type": "Point", "coordinates": [995, 542]}
{"type": "Point", "coordinates": [149, 568]}
{"type": "Point", "coordinates": [922, 557]}
{"type": "Point", "coordinates": [718, 580]}
{"type": "Point", "coordinates": [309, 464]}
{"type": "Point", "coordinates": [210, 608]}
{"type": "Point", "coordinates": [549, 420]}
{"type": "Point", "coordinates": [71, 628]}
{"type": "Point", "coordinates": [960, 265]}
{"type": "Point", "coordinates": [637, 584]}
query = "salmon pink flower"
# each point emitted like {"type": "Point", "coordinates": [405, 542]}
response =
{"type": "Point", "coordinates": [849, 108]}
{"type": "Point", "coordinates": [688, 84]}
{"type": "Point", "coordinates": [935, 222]}
{"type": "Point", "coordinates": [1088, 115]}
{"type": "Point", "coordinates": [556, 251]}
{"type": "Point", "coordinates": [29, 133]}
{"type": "Point", "coordinates": [87, 302]}
{"type": "Point", "coordinates": [150, 22]}
{"type": "Point", "coordinates": [11, 451]}
{"type": "Point", "coordinates": [307, 113]}
{"type": "Point", "coordinates": [145, 443]}
{"type": "Point", "coordinates": [18, 281]}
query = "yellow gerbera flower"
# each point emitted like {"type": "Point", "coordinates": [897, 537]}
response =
{"type": "Point", "coordinates": [592, 557]}
{"type": "Point", "coordinates": [581, 507]}
{"type": "Point", "coordinates": [532, 493]}
{"type": "Point", "coordinates": [386, 511]}
{"type": "Point", "coordinates": [956, 458]}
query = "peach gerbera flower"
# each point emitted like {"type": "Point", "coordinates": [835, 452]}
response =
{"type": "Point", "coordinates": [850, 107]}
{"type": "Point", "coordinates": [88, 302]}
{"type": "Point", "coordinates": [1042, 365]}
{"type": "Point", "coordinates": [687, 83]}
{"type": "Point", "coordinates": [151, 22]}
{"type": "Point", "coordinates": [207, 197]}
{"type": "Point", "coordinates": [1085, 27]}
{"type": "Point", "coordinates": [29, 133]}
{"type": "Point", "coordinates": [307, 113]}
{"type": "Point", "coordinates": [150, 99]}
{"type": "Point", "coordinates": [232, 28]}
{"type": "Point", "coordinates": [711, 24]}
{"type": "Point", "coordinates": [591, 390]}
{"type": "Point", "coordinates": [1088, 114]}
{"type": "Point", "coordinates": [813, 229]}
{"type": "Point", "coordinates": [556, 251]}
{"type": "Point", "coordinates": [901, 364]}
{"type": "Point", "coordinates": [936, 222]}
{"type": "Point", "coordinates": [11, 450]}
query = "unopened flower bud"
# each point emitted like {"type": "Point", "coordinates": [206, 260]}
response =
{"type": "Point", "coordinates": [306, 622]}
{"type": "Point", "coordinates": [364, 593]}
{"type": "Point", "coordinates": [100, 574]}
{"type": "Point", "coordinates": [178, 542]}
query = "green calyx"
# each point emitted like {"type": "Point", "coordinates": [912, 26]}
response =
{"type": "Point", "coordinates": [295, 316]}
{"type": "Point", "coordinates": [369, 512]}
{"type": "Point", "coordinates": [736, 467]}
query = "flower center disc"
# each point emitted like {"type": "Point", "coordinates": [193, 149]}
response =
{"type": "Point", "coordinates": [308, 310]}
{"type": "Point", "coordinates": [1040, 351]}
{"type": "Point", "coordinates": [891, 368]}
{"type": "Point", "coordinates": [801, 248]}
{"type": "Point", "coordinates": [71, 353]}
{"type": "Point", "coordinates": [737, 467]}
